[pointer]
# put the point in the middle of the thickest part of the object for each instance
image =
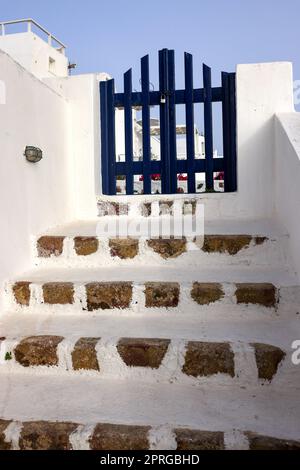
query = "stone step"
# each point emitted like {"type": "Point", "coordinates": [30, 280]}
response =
{"type": "Point", "coordinates": [47, 435]}
{"type": "Point", "coordinates": [264, 411]}
{"type": "Point", "coordinates": [129, 295]}
{"type": "Point", "coordinates": [148, 207]}
{"type": "Point", "coordinates": [48, 246]}
{"type": "Point", "coordinates": [153, 359]}
{"type": "Point", "coordinates": [248, 324]}
{"type": "Point", "coordinates": [209, 250]}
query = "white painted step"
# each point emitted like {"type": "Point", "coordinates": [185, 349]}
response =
{"type": "Point", "coordinates": [149, 273]}
{"type": "Point", "coordinates": [246, 325]}
{"type": "Point", "coordinates": [269, 410]}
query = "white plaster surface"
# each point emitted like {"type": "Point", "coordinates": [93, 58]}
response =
{"type": "Point", "coordinates": [287, 195]}
{"type": "Point", "coordinates": [33, 115]}
{"type": "Point", "coordinates": [267, 410]}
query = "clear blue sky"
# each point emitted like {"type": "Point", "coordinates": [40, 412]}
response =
{"type": "Point", "coordinates": [112, 35]}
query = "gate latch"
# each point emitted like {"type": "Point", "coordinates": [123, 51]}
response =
{"type": "Point", "coordinates": [162, 98]}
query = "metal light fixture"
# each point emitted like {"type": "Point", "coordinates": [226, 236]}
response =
{"type": "Point", "coordinates": [33, 154]}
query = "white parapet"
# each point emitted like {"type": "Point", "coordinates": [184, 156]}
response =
{"type": "Point", "coordinates": [43, 58]}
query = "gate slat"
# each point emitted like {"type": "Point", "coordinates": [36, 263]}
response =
{"type": "Point", "coordinates": [189, 118]}
{"type": "Point", "coordinates": [128, 130]}
{"type": "Point", "coordinates": [104, 136]}
{"type": "Point", "coordinates": [164, 122]}
{"type": "Point", "coordinates": [146, 124]}
{"type": "Point", "coordinates": [229, 131]}
{"type": "Point", "coordinates": [208, 128]}
{"type": "Point", "coordinates": [172, 122]}
{"type": "Point", "coordinates": [226, 129]}
{"type": "Point", "coordinates": [111, 137]}
{"type": "Point", "coordinates": [232, 111]}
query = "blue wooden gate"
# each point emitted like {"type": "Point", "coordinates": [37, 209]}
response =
{"type": "Point", "coordinates": [167, 97]}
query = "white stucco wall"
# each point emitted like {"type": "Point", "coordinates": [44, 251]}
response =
{"type": "Point", "coordinates": [33, 197]}
{"type": "Point", "coordinates": [33, 53]}
{"type": "Point", "coordinates": [82, 93]}
{"type": "Point", "coordinates": [262, 91]}
{"type": "Point", "coordinates": [287, 181]}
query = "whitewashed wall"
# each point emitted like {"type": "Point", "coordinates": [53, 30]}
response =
{"type": "Point", "coordinates": [33, 197]}
{"type": "Point", "coordinates": [287, 179]}
{"type": "Point", "coordinates": [33, 53]}
{"type": "Point", "coordinates": [82, 94]}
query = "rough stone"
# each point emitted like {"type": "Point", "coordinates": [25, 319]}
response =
{"type": "Point", "coordinates": [38, 351]}
{"type": "Point", "coordinates": [107, 295]}
{"type": "Point", "coordinates": [50, 246]}
{"type": "Point", "coordinates": [189, 206]}
{"type": "Point", "coordinates": [3, 444]}
{"type": "Point", "coordinates": [256, 293]}
{"type": "Point", "coordinates": [118, 208]}
{"type": "Point", "coordinates": [143, 352]}
{"type": "Point", "coordinates": [258, 442]}
{"type": "Point", "coordinates": [124, 248]}
{"type": "Point", "coordinates": [85, 246]}
{"type": "Point", "coordinates": [268, 358]}
{"type": "Point", "coordinates": [162, 294]}
{"type": "Point", "coordinates": [58, 293]}
{"type": "Point", "coordinates": [146, 209]}
{"type": "Point", "coordinates": [231, 244]}
{"type": "Point", "coordinates": [166, 207]}
{"type": "Point", "coordinates": [21, 292]}
{"type": "Point", "coordinates": [84, 355]}
{"type": "Point", "coordinates": [205, 293]}
{"type": "Point", "coordinates": [112, 208]}
{"type": "Point", "coordinates": [188, 439]}
{"type": "Point", "coordinates": [168, 248]}
{"type": "Point", "coordinates": [206, 359]}
{"type": "Point", "coordinates": [120, 437]}
{"type": "Point", "coordinates": [43, 435]}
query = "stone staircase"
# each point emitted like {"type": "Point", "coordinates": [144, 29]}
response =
{"type": "Point", "coordinates": [152, 343]}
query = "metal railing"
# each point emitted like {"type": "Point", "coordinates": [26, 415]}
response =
{"type": "Point", "coordinates": [31, 22]}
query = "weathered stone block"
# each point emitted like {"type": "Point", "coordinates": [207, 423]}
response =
{"type": "Point", "coordinates": [120, 437]}
{"type": "Point", "coordinates": [205, 293]}
{"type": "Point", "coordinates": [143, 352]}
{"type": "Point", "coordinates": [50, 246]}
{"type": "Point", "coordinates": [43, 435]}
{"type": "Point", "coordinates": [112, 208]}
{"type": "Point", "coordinates": [146, 209]}
{"type": "Point", "coordinates": [189, 206]}
{"type": "Point", "coordinates": [188, 439]}
{"type": "Point", "coordinates": [168, 248]}
{"type": "Point", "coordinates": [231, 244]}
{"type": "Point", "coordinates": [258, 442]}
{"type": "Point", "coordinates": [85, 246]}
{"type": "Point", "coordinates": [21, 292]}
{"type": "Point", "coordinates": [119, 208]}
{"type": "Point", "coordinates": [84, 355]}
{"type": "Point", "coordinates": [107, 295]}
{"type": "Point", "coordinates": [58, 293]}
{"type": "Point", "coordinates": [162, 294]}
{"type": "Point", "coordinates": [38, 351]}
{"type": "Point", "coordinates": [3, 444]}
{"type": "Point", "coordinates": [268, 358]}
{"type": "Point", "coordinates": [206, 359]}
{"type": "Point", "coordinates": [124, 248]}
{"type": "Point", "coordinates": [166, 207]}
{"type": "Point", "coordinates": [256, 293]}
